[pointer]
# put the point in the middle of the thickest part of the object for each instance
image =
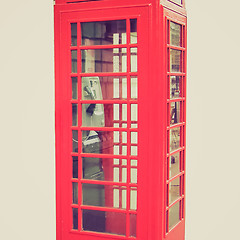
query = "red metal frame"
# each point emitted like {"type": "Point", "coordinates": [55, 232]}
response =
{"type": "Point", "coordinates": [153, 115]}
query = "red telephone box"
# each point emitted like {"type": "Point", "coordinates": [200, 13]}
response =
{"type": "Point", "coordinates": [120, 119]}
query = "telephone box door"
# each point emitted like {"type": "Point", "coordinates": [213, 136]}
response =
{"type": "Point", "coordinates": [100, 62]}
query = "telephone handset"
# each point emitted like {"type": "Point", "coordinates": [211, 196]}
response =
{"type": "Point", "coordinates": [92, 114]}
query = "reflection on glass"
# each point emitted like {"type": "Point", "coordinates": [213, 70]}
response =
{"type": "Point", "coordinates": [134, 88]}
{"type": "Point", "coordinates": [75, 193]}
{"type": "Point", "coordinates": [75, 218]}
{"type": "Point", "coordinates": [75, 140]}
{"type": "Point", "coordinates": [134, 60]}
{"type": "Point", "coordinates": [104, 60]}
{"type": "Point", "coordinates": [133, 225]}
{"type": "Point", "coordinates": [104, 33]}
{"type": "Point", "coordinates": [105, 222]}
{"type": "Point", "coordinates": [133, 29]}
{"type": "Point", "coordinates": [175, 60]}
{"type": "Point", "coordinates": [174, 139]}
{"type": "Point", "coordinates": [74, 88]}
{"type": "Point", "coordinates": [174, 216]}
{"type": "Point", "coordinates": [175, 91]}
{"type": "Point", "coordinates": [174, 164]}
{"type": "Point", "coordinates": [74, 61]}
{"type": "Point", "coordinates": [74, 34]}
{"type": "Point", "coordinates": [74, 114]}
{"type": "Point", "coordinates": [175, 113]}
{"type": "Point", "coordinates": [174, 190]}
{"type": "Point", "coordinates": [75, 167]}
{"type": "Point", "coordinates": [175, 34]}
{"type": "Point", "coordinates": [101, 142]}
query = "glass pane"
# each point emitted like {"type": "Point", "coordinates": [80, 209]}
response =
{"type": "Point", "coordinates": [133, 175]}
{"type": "Point", "coordinates": [134, 137]}
{"type": "Point", "coordinates": [134, 150]}
{"type": "Point", "coordinates": [174, 164]}
{"type": "Point", "coordinates": [105, 222]}
{"type": "Point", "coordinates": [75, 140]}
{"type": "Point", "coordinates": [175, 60]}
{"type": "Point", "coordinates": [75, 167]}
{"type": "Point", "coordinates": [134, 112]}
{"type": "Point", "coordinates": [93, 195]}
{"type": "Point", "coordinates": [104, 33]}
{"type": "Point", "coordinates": [134, 125]}
{"type": "Point", "coordinates": [104, 169]}
{"type": "Point", "coordinates": [133, 163]}
{"type": "Point", "coordinates": [175, 34]}
{"type": "Point", "coordinates": [174, 216]}
{"type": "Point", "coordinates": [104, 88]}
{"type": "Point", "coordinates": [134, 60]}
{"type": "Point", "coordinates": [74, 34]}
{"type": "Point", "coordinates": [175, 113]}
{"type": "Point", "coordinates": [104, 115]}
{"type": "Point", "coordinates": [75, 218]}
{"type": "Point", "coordinates": [174, 139]}
{"type": "Point", "coordinates": [74, 114]}
{"type": "Point", "coordinates": [102, 195]}
{"type": "Point", "coordinates": [133, 199]}
{"type": "Point", "coordinates": [75, 193]}
{"type": "Point", "coordinates": [174, 190]}
{"type": "Point", "coordinates": [134, 87]}
{"type": "Point", "coordinates": [123, 203]}
{"type": "Point", "coordinates": [124, 175]}
{"type": "Point", "coordinates": [104, 60]}
{"type": "Point", "coordinates": [74, 88]}
{"type": "Point", "coordinates": [133, 29]}
{"type": "Point", "coordinates": [175, 91]}
{"type": "Point", "coordinates": [133, 225]}
{"type": "Point", "coordinates": [74, 61]}
{"type": "Point", "coordinates": [101, 142]}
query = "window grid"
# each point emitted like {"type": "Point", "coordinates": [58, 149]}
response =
{"type": "Point", "coordinates": [175, 120]}
{"type": "Point", "coordinates": [80, 154]}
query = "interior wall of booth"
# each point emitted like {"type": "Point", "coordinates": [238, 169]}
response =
{"type": "Point", "coordinates": [27, 162]}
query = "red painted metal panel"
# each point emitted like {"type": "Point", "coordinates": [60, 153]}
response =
{"type": "Point", "coordinates": [153, 128]}
{"type": "Point", "coordinates": [64, 90]}
{"type": "Point", "coordinates": [177, 233]}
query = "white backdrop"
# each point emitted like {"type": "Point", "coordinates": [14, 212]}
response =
{"type": "Point", "coordinates": [27, 173]}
